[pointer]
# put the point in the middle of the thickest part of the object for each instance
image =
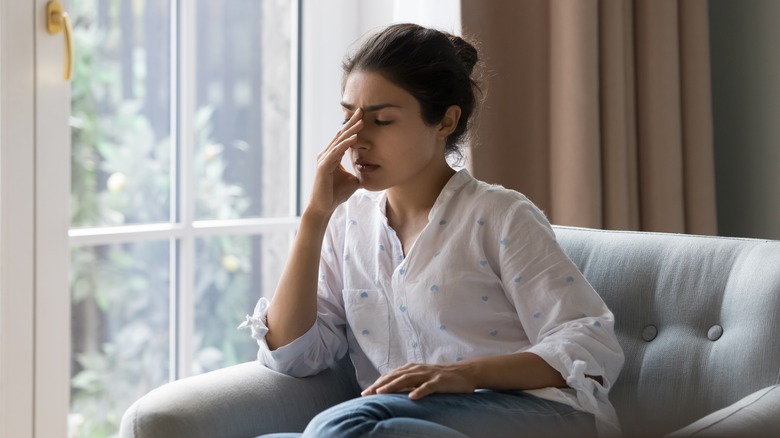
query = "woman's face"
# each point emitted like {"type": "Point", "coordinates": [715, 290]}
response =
{"type": "Point", "coordinates": [395, 147]}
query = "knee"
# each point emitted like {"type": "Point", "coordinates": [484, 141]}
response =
{"type": "Point", "coordinates": [355, 417]}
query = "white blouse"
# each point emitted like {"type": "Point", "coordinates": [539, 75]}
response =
{"type": "Point", "coordinates": [485, 277]}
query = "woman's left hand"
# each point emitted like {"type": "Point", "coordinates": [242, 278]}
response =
{"type": "Point", "coordinates": [421, 380]}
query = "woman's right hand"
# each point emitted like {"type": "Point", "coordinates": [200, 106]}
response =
{"type": "Point", "coordinates": [332, 183]}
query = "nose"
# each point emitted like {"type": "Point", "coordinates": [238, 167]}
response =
{"type": "Point", "coordinates": [363, 141]}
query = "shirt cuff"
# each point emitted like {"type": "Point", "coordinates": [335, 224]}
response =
{"type": "Point", "coordinates": [591, 396]}
{"type": "Point", "coordinates": [282, 359]}
{"type": "Point", "coordinates": [257, 322]}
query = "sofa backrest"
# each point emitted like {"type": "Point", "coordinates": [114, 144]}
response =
{"type": "Point", "coordinates": [698, 319]}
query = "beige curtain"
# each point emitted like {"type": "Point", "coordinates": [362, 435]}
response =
{"type": "Point", "coordinates": [598, 110]}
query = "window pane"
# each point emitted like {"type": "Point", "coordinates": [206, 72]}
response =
{"type": "Point", "coordinates": [120, 331]}
{"type": "Point", "coordinates": [232, 274]}
{"type": "Point", "coordinates": [120, 112]}
{"type": "Point", "coordinates": [242, 120]}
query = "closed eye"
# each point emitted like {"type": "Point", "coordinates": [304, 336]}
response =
{"type": "Point", "coordinates": [382, 122]}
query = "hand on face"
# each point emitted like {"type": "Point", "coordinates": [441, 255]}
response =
{"type": "Point", "coordinates": [421, 380]}
{"type": "Point", "coordinates": [332, 183]}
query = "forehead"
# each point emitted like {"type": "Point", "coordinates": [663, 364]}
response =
{"type": "Point", "coordinates": [363, 89]}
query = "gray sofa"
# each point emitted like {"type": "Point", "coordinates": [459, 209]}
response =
{"type": "Point", "coordinates": [698, 319]}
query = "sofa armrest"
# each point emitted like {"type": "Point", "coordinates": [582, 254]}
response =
{"type": "Point", "coordinates": [244, 400]}
{"type": "Point", "coordinates": [757, 415]}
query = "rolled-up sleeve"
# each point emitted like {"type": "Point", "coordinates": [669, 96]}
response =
{"type": "Point", "coordinates": [567, 322]}
{"type": "Point", "coordinates": [326, 340]}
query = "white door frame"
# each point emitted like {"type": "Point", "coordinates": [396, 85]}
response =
{"type": "Point", "coordinates": [17, 144]}
{"type": "Point", "coordinates": [34, 216]}
{"type": "Point", "coordinates": [52, 220]}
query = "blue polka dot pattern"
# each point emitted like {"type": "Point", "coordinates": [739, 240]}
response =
{"type": "Point", "coordinates": [365, 332]}
{"type": "Point", "coordinates": [504, 241]}
{"type": "Point", "coordinates": [481, 222]}
{"type": "Point", "coordinates": [435, 288]}
{"type": "Point", "coordinates": [597, 323]}
{"type": "Point", "coordinates": [484, 298]}
{"type": "Point", "coordinates": [483, 263]}
{"type": "Point", "coordinates": [537, 315]}
{"type": "Point", "coordinates": [518, 279]}
{"type": "Point", "coordinates": [442, 222]}
{"type": "Point", "coordinates": [494, 333]}
{"type": "Point", "coordinates": [363, 294]}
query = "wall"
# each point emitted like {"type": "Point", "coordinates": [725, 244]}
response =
{"type": "Point", "coordinates": [746, 112]}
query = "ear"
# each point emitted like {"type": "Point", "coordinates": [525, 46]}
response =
{"type": "Point", "coordinates": [449, 122]}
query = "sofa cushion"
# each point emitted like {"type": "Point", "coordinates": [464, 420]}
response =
{"type": "Point", "coordinates": [755, 416]}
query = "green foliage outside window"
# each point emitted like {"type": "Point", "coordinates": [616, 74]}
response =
{"type": "Point", "coordinates": [120, 293]}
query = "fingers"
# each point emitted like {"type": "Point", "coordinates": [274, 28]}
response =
{"type": "Point", "coordinates": [333, 155]}
{"type": "Point", "coordinates": [421, 380]}
{"type": "Point", "coordinates": [403, 379]}
{"type": "Point", "coordinates": [344, 139]}
{"type": "Point", "coordinates": [351, 126]}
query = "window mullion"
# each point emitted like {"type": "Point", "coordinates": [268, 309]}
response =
{"type": "Point", "coordinates": [183, 312]}
{"type": "Point", "coordinates": [296, 63]}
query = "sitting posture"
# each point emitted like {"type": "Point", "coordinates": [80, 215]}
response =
{"type": "Point", "coordinates": [460, 312]}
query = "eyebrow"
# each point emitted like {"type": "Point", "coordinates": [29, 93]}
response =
{"type": "Point", "coordinates": [370, 108]}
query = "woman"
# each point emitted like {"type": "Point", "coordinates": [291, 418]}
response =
{"type": "Point", "coordinates": [460, 312]}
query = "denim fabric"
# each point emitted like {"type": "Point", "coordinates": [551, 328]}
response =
{"type": "Point", "coordinates": [494, 414]}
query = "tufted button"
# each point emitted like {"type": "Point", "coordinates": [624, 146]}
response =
{"type": "Point", "coordinates": [715, 332]}
{"type": "Point", "coordinates": [649, 332]}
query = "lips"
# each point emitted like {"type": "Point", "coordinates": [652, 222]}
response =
{"type": "Point", "coordinates": [365, 166]}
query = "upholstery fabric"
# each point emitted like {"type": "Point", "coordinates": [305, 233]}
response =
{"type": "Point", "coordinates": [678, 288]}
{"type": "Point", "coordinates": [244, 400]}
{"type": "Point", "coordinates": [697, 317]}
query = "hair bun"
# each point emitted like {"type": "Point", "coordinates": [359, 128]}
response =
{"type": "Point", "coordinates": [466, 52]}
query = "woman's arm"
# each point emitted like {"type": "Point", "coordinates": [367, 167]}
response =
{"type": "Point", "coordinates": [515, 371]}
{"type": "Point", "coordinates": [293, 308]}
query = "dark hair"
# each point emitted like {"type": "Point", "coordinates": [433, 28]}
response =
{"type": "Point", "coordinates": [433, 66]}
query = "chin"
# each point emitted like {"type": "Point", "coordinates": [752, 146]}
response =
{"type": "Point", "coordinates": [371, 186]}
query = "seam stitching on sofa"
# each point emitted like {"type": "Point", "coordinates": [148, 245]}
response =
{"type": "Point", "coordinates": [734, 413]}
{"type": "Point", "coordinates": [661, 233]}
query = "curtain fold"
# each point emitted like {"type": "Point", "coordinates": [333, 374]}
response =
{"type": "Point", "coordinates": [598, 110]}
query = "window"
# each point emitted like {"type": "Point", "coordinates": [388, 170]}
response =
{"type": "Point", "coordinates": [187, 174]}
{"type": "Point", "coordinates": [183, 189]}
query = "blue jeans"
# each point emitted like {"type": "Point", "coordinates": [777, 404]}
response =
{"type": "Point", "coordinates": [493, 414]}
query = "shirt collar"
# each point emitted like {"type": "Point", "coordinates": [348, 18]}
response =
{"type": "Point", "coordinates": [452, 187]}
{"type": "Point", "coordinates": [455, 183]}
